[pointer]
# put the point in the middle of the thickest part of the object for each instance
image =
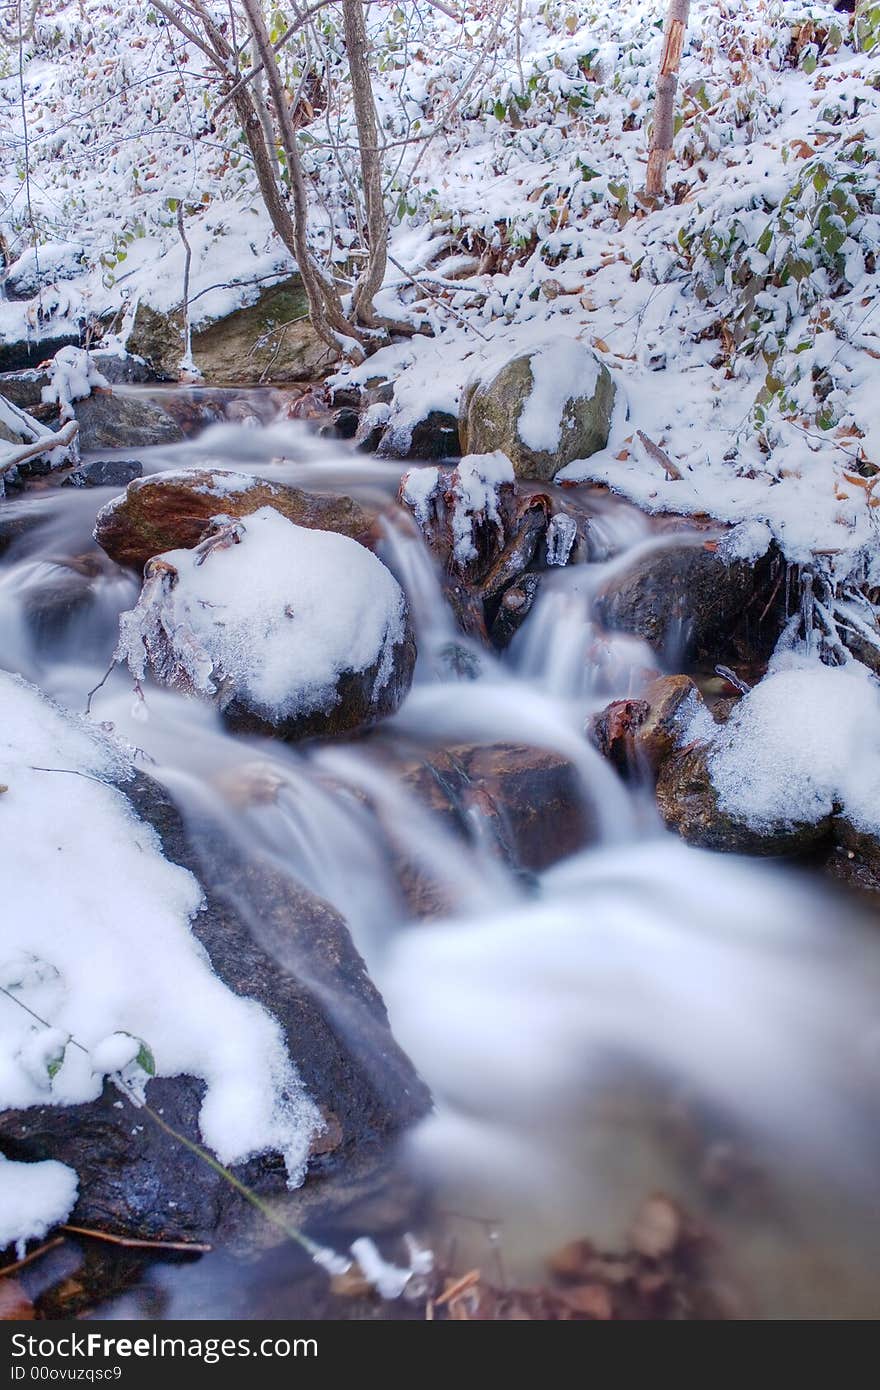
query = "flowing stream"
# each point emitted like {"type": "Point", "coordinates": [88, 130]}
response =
{"type": "Point", "coordinates": [640, 1017]}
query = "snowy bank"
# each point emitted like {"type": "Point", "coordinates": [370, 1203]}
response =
{"type": "Point", "coordinates": [100, 969]}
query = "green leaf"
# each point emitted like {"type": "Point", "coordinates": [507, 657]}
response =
{"type": "Point", "coordinates": [55, 1063]}
{"type": "Point", "coordinates": [145, 1059]}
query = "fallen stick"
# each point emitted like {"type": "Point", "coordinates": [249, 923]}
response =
{"type": "Point", "coordinates": [34, 1255]}
{"type": "Point", "coordinates": [44, 445]}
{"type": "Point", "coordinates": [659, 456]}
{"type": "Point", "coordinates": [132, 1243]}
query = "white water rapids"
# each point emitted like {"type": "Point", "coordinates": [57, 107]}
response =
{"type": "Point", "coordinates": [572, 1025]}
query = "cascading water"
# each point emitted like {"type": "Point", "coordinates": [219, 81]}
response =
{"type": "Point", "coordinates": [591, 1033]}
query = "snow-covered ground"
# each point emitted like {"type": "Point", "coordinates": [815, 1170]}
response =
{"type": "Point", "coordinates": [739, 319]}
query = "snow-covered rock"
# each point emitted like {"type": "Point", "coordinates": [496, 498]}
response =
{"type": "Point", "coordinates": [802, 745]}
{"type": "Point", "coordinates": [466, 514]}
{"type": "Point", "coordinates": [543, 408]}
{"type": "Point", "coordinates": [144, 971]}
{"type": "Point", "coordinates": [289, 630]}
{"type": "Point", "coordinates": [125, 958]}
{"type": "Point", "coordinates": [484, 530]}
{"type": "Point", "coordinates": [57, 260]}
{"type": "Point", "coordinates": [797, 763]}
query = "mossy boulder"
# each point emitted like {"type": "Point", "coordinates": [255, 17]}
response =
{"type": "Point", "coordinates": [543, 408]}
{"type": "Point", "coordinates": [269, 340]}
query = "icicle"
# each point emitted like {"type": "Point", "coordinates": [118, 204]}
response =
{"type": "Point", "coordinates": [807, 612]}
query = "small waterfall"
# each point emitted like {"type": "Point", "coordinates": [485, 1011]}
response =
{"type": "Point", "coordinates": [589, 1032]}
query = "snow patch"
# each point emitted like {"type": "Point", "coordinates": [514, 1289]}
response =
{"type": "Point", "coordinates": [34, 1197]}
{"type": "Point", "coordinates": [562, 371]}
{"type": "Point", "coordinates": [475, 486]}
{"type": "Point", "coordinates": [419, 487]}
{"type": "Point", "coordinates": [72, 377]}
{"type": "Point", "coordinates": [803, 744]}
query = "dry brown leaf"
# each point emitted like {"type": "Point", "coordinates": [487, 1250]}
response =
{"type": "Point", "coordinates": [590, 1301]}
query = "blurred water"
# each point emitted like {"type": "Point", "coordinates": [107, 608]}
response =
{"type": "Point", "coordinates": [590, 1034]}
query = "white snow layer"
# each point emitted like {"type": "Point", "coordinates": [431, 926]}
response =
{"type": "Point", "coordinates": [33, 1198]}
{"type": "Point", "coordinates": [803, 744]}
{"type": "Point", "coordinates": [475, 485]}
{"type": "Point", "coordinates": [72, 376]}
{"type": "Point", "coordinates": [277, 617]}
{"type": "Point", "coordinates": [419, 488]}
{"type": "Point", "coordinates": [96, 941]}
{"type": "Point", "coordinates": [562, 371]}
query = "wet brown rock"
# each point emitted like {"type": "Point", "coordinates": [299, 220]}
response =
{"type": "Point", "coordinates": [615, 731]}
{"type": "Point", "coordinates": [639, 735]}
{"type": "Point", "coordinates": [527, 802]}
{"type": "Point", "coordinates": [690, 599]}
{"type": "Point", "coordinates": [170, 511]}
{"type": "Point", "coordinates": [515, 606]}
{"type": "Point", "coordinates": [854, 859]}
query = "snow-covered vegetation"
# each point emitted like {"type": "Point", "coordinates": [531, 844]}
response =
{"type": "Point", "coordinates": [515, 144]}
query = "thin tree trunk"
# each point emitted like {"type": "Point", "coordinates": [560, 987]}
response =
{"type": "Point", "coordinates": [259, 94]}
{"type": "Point", "coordinates": [660, 150]}
{"type": "Point", "coordinates": [187, 363]}
{"type": "Point", "coordinates": [327, 315]}
{"type": "Point", "coordinates": [357, 50]}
